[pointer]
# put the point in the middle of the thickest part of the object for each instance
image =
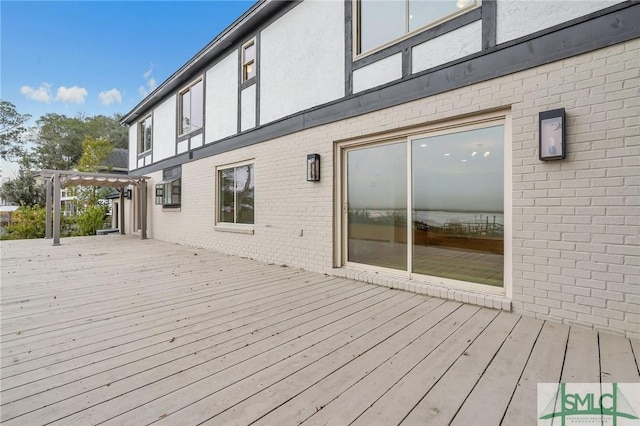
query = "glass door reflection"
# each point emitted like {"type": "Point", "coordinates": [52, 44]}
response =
{"type": "Point", "coordinates": [376, 213]}
{"type": "Point", "coordinates": [458, 205]}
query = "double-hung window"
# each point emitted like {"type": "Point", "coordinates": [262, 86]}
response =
{"type": "Point", "coordinates": [191, 107]}
{"type": "Point", "coordinates": [236, 194]}
{"type": "Point", "coordinates": [382, 21]}
{"type": "Point", "coordinates": [145, 129]}
{"type": "Point", "coordinates": [249, 60]}
{"type": "Point", "coordinates": [169, 191]}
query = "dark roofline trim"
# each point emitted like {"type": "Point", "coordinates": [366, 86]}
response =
{"type": "Point", "coordinates": [613, 25]}
{"type": "Point", "coordinates": [259, 16]}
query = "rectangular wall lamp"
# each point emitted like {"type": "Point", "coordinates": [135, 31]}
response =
{"type": "Point", "coordinates": [552, 135]}
{"type": "Point", "coordinates": [313, 167]}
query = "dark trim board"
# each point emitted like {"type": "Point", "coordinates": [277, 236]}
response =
{"type": "Point", "coordinates": [348, 47]}
{"type": "Point", "coordinates": [214, 52]}
{"type": "Point", "coordinates": [489, 19]}
{"type": "Point", "coordinates": [616, 25]}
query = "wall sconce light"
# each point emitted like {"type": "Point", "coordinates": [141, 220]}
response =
{"type": "Point", "coordinates": [313, 167]}
{"type": "Point", "coordinates": [552, 135]}
{"type": "Point", "coordinates": [127, 193]}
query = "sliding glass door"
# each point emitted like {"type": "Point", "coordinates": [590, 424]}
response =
{"type": "Point", "coordinates": [430, 204]}
{"type": "Point", "coordinates": [377, 205]}
{"type": "Point", "coordinates": [457, 184]}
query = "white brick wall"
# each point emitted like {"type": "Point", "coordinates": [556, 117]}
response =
{"type": "Point", "coordinates": [576, 226]}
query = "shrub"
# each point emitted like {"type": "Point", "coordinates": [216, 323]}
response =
{"type": "Point", "coordinates": [91, 220]}
{"type": "Point", "coordinates": [27, 222]}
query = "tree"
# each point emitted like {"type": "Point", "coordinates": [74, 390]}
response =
{"type": "Point", "coordinates": [94, 153]}
{"type": "Point", "coordinates": [58, 138]}
{"type": "Point", "coordinates": [109, 128]}
{"type": "Point", "coordinates": [11, 128]}
{"type": "Point", "coordinates": [24, 190]}
{"type": "Point", "coordinates": [58, 142]}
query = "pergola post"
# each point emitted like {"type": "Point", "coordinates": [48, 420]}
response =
{"type": "Point", "coordinates": [121, 210]}
{"type": "Point", "coordinates": [47, 228]}
{"type": "Point", "coordinates": [56, 209]}
{"type": "Point", "coordinates": [143, 210]}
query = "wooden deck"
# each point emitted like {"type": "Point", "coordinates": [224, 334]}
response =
{"type": "Point", "coordinates": [117, 330]}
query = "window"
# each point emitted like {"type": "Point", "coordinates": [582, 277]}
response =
{"type": "Point", "coordinates": [380, 22]}
{"type": "Point", "coordinates": [168, 192]}
{"type": "Point", "coordinates": [144, 135]}
{"type": "Point", "coordinates": [236, 194]}
{"type": "Point", "coordinates": [430, 204]}
{"type": "Point", "coordinates": [191, 107]}
{"type": "Point", "coordinates": [249, 60]}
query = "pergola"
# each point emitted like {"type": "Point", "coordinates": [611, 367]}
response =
{"type": "Point", "coordinates": [56, 179]}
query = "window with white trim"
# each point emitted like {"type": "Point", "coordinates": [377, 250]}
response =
{"type": "Point", "coordinates": [249, 60]}
{"type": "Point", "coordinates": [236, 194]}
{"type": "Point", "coordinates": [382, 21]}
{"type": "Point", "coordinates": [191, 107]}
{"type": "Point", "coordinates": [145, 129]}
{"type": "Point", "coordinates": [169, 192]}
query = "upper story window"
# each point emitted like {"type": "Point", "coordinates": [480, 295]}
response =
{"type": "Point", "coordinates": [191, 107]}
{"type": "Point", "coordinates": [236, 194]}
{"type": "Point", "coordinates": [249, 60]}
{"type": "Point", "coordinates": [144, 134]}
{"type": "Point", "coordinates": [382, 21]}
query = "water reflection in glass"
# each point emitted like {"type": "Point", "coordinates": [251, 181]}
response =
{"type": "Point", "coordinates": [377, 205]}
{"type": "Point", "coordinates": [458, 205]}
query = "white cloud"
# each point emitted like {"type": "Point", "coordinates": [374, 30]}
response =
{"type": "Point", "coordinates": [150, 85]}
{"type": "Point", "coordinates": [73, 94]}
{"type": "Point", "coordinates": [41, 94]}
{"type": "Point", "coordinates": [110, 96]}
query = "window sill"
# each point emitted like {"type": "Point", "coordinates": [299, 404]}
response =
{"type": "Point", "coordinates": [190, 133]}
{"type": "Point", "coordinates": [171, 209]}
{"type": "Point", "coordinates": [236, 229]}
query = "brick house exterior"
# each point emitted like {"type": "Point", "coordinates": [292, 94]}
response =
{"type": "Point", "coordinates": [571, 227]}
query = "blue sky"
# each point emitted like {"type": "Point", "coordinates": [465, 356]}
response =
{"type": "Point", "coordinates": [100, 57]}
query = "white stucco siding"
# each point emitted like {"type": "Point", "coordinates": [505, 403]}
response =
{"type": "Point", "coordinates": [248, 108]}
{"type": "Point", "coordinates": [448, 47]}
{"type": "Point", "coordinates": [302, 59]}
{"type": "Point", "coordinates": [183, 146]}
{"type": "Point", "coordinates": [221, 99]}
{"type": "Point", "coordinates": [133, 146]}
{"type": "Point", "coordinates": [164, 130]}
{"type": "Point", "coordinates": [378, 73]}
{"type": "Point", "coordinates": [196, 141]}
{"type": "Point", "coordinates": [517, 18]}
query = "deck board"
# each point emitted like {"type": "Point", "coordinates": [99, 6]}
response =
{"type": "Point", "coordinates": [543, 366]}
{"type": "Point", "coordinates": [122, 331]}
{"type": "Point", "coordinates": [617, 362]}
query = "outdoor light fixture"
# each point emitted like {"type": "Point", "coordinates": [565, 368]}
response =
{"type": "Point", "coordinates": [127, 193]}
{"type": "Point", "coordinates": [313, 167]}
{"type": "Point", "coordinates": [552, 142]}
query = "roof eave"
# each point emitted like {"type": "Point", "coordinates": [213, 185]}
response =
{"type": "Point", "coordinates": [244, 24]}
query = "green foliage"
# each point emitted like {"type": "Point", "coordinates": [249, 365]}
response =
{"type": "Point", "coordinates": [92, 219]}
{"type": "Point", "coordinates": [11, 130]}
{"type": "Point", "coordinates": [27, 222]}
{"type": "Point", "coordinates": [23, 190]}
{"type": "Point", "coordinates": [94, 154]}
{"type": "Point", "coordinates": [108, 128]}
{"type": "Point", "coordinates": [58, 140]}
